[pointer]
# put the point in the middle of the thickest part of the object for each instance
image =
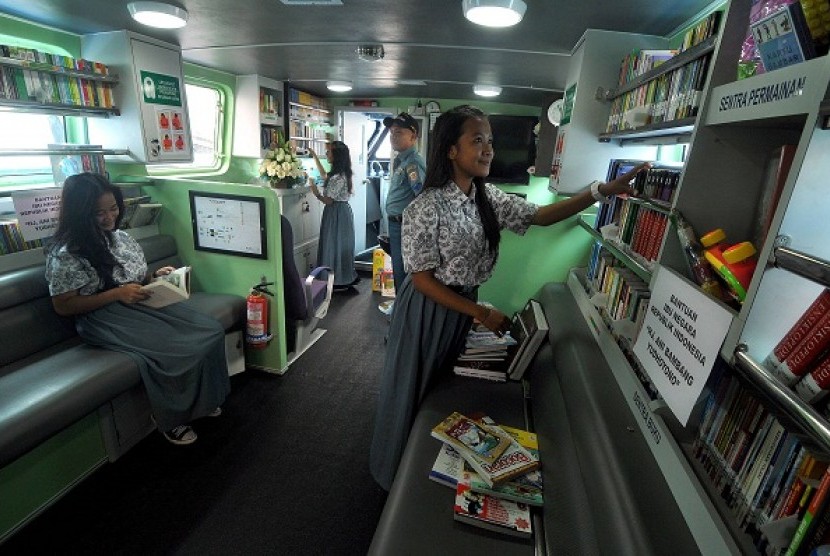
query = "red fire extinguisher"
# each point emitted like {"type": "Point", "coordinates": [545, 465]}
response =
{"type": "Point", "coordinates": [256, 326]}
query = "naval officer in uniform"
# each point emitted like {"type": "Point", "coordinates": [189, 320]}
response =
{"type": "Point", "coordinates": [407, 181]}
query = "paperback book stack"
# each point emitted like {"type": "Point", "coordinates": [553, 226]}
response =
{"type": "Point", "coordinates": [494, 471]}
{"type": "Point", "coordinates": [485, 355]}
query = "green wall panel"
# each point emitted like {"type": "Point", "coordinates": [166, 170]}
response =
{"type": "Point", "coordinates": [33, 481]}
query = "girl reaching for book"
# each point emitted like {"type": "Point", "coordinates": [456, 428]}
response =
{"type": "Point", "coordinates": [95, 273]}
{"type": "Point", "coordinates": [451, 235]}
{"type": "Point", "coordinates": [336, 246]}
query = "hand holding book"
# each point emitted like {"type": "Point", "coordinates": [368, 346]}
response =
{"type": "Point", "coordinates": [171, 285]}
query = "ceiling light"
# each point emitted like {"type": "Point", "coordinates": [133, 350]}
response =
{"type": "Point", "coordinates": [486, 90]}
{"type": "Point", "coordinates": [370, 52]}
{"type": "Point", "coordinates": [158, 14]}
{"type": "Point", "coordinates": [339, 86]}
{"type": "Point", "coordinates": [494, 13]}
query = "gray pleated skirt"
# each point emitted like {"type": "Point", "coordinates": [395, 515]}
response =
{"type": "Point", "coordinates": [179, 351]}
{"type": "Point", "coordinates": [336, 247]}
{"type": "Point", "coordinates": [425, 338]}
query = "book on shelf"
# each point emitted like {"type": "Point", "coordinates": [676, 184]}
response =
{"type": "Point", "coordinates": [529, 328]}
{"type": "Point", "coordinates": [776, 170]}
{"type": "Point", "coordinates": [65, 165]}
{"type": "Point", "coordinates": [11, 237]}
{"type": "Point", "coordinates": [808, 320]}
{"type": "Point", "coordinates": [804, 535]}
{"type": "Point", "coordinates": [488, 512]}
{"type": "Point", "coordinates": [168, 289]}
{"type": "Point", "coordinates": [477, 441]}
{"type": "Point", "coordinates": [141, 214]}
{"type": "Point", "coordinates": [797, 364]}
{"type": "Point", "coordinates": [783, 37]}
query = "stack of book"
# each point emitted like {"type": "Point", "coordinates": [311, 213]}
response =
{"type": "Point", "coordinates": [139, 211]}
{"type": "Point", "coordinates": [498, 358]}
{"type": "Point", "coordinates": [494, 471]}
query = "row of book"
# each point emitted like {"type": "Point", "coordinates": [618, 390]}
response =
{"type": "Point", "coordinates": [31, 75]}
{"type": "Point", "coordinates": [491, 357]}
{"type": "Point", "coordinates": [65, 165]}
{"type": "Point", "coordinates": [801, 359]}
{"type": "Point", "coordinates": [270, 101]}
{"type": "Point", "coordinates": [494, 471]}
{"type": "Point", "coordinates": [775, 488]}
{"type": "Point", "coordinates": [306, 99]}
{"type": "Point", "coordinates": [623, 298]}
{"type": "Point", "coordinates": [139, 212]}
{"type": "Point", "coordinates": [671, 96]}
{"type": "Point", "coordinates": [11, 238]}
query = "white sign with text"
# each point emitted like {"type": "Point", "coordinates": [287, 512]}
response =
{"type": "Point", "coordinates": [37, 212]}
{"type": "Point", "coordinates": [680, 339]}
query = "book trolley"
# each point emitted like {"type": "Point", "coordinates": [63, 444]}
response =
{"type": "Point", "coordinates": [735, 126]}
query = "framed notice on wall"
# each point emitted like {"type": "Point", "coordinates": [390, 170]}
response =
{"type": "Point", "coordinates": [230, 224]}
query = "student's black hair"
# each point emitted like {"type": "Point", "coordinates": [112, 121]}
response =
{"type": "Point", "coordinates": [341, 162]}
{"type": "Point", "coordinates": [448, 129]}
{"type": "Point", "coordinates": [78, 228]}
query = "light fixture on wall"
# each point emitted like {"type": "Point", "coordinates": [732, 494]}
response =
{"type": "Point", "coordinates": [487, 90]}
{"type": "Point", "coordinates": [494, 13]}
{"type": "Point", "coordinates": [370, 52]}
{"type": "Point", "coordinates": [158, 14]}
{"type": "Point", "coordinates": [339, 86]}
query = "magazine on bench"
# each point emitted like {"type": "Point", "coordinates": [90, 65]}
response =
{"type": "Point", "coordinates": [168, 289]}
{"type": "Point", "coordinates": [496, 514]}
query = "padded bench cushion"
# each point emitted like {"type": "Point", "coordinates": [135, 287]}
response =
{"type": "Point", "coordinates": [608, 493]}
{"type": "Point", "coordinates": [418, 515]}
{"type": "Point", "coordinates": [54, 388]}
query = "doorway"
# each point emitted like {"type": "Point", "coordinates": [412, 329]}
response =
{"type": "Point", "coordinates": [361, 128]}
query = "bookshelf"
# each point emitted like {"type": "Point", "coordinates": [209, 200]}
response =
{"type": "Point", "coordinates": [308, 121]}
{"type": "Point", "coordinates": [731, 137]}
{"type": "Point", "coordinates": [259, 115]}
{"type": "Point", "coordinates": [43, 86]}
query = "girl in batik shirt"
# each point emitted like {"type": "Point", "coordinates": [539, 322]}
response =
{"type": "Point", "coordinates": [336, 246]}
{"type": "Point", "coordinates": [451, 236]}
{"type": "Point", "coordinates": [95, 273]}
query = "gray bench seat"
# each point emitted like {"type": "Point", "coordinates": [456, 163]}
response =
{"type": "Point", "coordinates": [604, 493]}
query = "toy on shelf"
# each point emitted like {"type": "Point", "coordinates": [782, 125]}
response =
{"type": "Point", "coordinates": [735, 265]}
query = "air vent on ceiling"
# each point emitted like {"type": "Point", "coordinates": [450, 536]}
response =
{"type": "Point", "coordinates": [310, 2]}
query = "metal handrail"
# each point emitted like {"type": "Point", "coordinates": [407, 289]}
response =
{"type": "Point", "coordinates": [68, 150]}
{"type": "Point", "coordinates": [802, 415]}
{"type": "Point", "coordinates": [802, 264]}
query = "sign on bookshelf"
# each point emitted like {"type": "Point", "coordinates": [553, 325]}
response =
{"type": "Point", "coordinates": [37, 212]}
{"type": "Point", "coordinates": [680, 339]}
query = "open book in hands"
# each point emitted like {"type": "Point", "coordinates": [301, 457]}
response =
{"type": "Point", "coordinates": [168, 289]}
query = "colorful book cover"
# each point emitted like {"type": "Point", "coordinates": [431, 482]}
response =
{"type": "Point", "coordinates": [472, 439]}
{"type": "Point", "coordinates": [783, 38]}
{"type": "Point", "coordinates": [491, 513]}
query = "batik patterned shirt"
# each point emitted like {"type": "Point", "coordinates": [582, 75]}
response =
{"type": "Point", "coordinates": [67, 272]}
{"type": "Point", "coordinates": [442, 231]}
{"type": "Point", "coordinates": [337, 188]}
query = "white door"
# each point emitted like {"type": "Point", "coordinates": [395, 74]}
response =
{"type": "Point", "coordinates": [354, 129]}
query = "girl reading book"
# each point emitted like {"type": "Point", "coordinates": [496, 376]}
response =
{"type": "Point", "coordinates": [96, 272]}
{"type": "Point", "coordinates": [451, 234]}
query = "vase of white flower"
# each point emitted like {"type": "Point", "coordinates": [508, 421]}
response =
{"type": "Point", "coordinates": [281, 166]}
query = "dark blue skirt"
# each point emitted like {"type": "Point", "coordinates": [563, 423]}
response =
{"type": "Point", "coordinates": [179, 351]}
{"type": "Point", "coordinates": [425, 339]}
{"type": "Point", "coordinates": [336, 246]}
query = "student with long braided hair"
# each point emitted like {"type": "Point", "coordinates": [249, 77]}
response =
{"type": "Point", "coordinates": [451, 234]}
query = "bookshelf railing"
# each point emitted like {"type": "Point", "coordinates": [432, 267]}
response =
{"type": "Point", "coordinates": [627, 260]}
{"type": "Point", "coordinates": [802, 264]}
{"type": "Point", "coordinates": [68, 150]}
{"type": "Point", "coordinates": [59, 109]}
{"type": "Point", "coordinates": [668, 132]}
{"type": "Point", "coordinates": [802, 415]}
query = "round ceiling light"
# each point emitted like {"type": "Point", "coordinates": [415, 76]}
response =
{"type": "Point", "coordinates": [486, 90]}
{"type": "Point", "coordinates": [494, 13]}
{"type": "Point", "coordinates": [158, 14]}
{"type": "Point", "coordinates": [339, 86]}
